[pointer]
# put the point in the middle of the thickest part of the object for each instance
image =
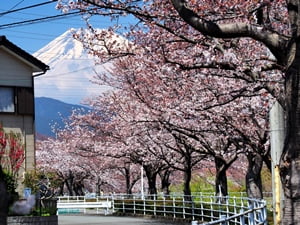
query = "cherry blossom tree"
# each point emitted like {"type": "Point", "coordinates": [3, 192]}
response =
{"type": "Point", "coordinates": [12, 155]}
{"type": "Point", "coordinates": [224, 143]}
{"type": "Point", "coordinates": [254, 143]}
{"type": "Point", "coordinates": [51, 156]}
{"type": "Point", "coordinates": [206, 100]}
{"type": "Point", "coordinates": [142, 84]}
{"type": "Point", "coordinates": [224, 156]}
{"type": "Point", "coordinates": [179, 154]}
{"type": "Point", "coordinates": [132, 175]}
{"type": "Point", "coordinates": [165, 177]}
{"type": "Point", "coordinates": [277, 28]}
{"type": "Point", "coordinates": [107, 134]}
{"type": "Point", "coordinates": [267, 31]}
{"type": "Point", "coordinates": [153, 144]}
{"type": "Point", "coordinates": [136, 128]}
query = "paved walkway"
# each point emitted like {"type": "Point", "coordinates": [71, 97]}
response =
{"type": "Point", "coordinates": [110, 220]}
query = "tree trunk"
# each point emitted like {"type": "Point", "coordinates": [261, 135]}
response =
{"type": "Point", "coordinates": [253, 176]}
{"type": "Point", "coordinates": [187, 177]}
{"type": "Point", "coordinates": [152, 185]}
{"type": "Point", "coordinates": [98, 186]}
{"type": "Point", "coordinates": [69, 183]}
{"type": "Point", "coordinates": [221, 177]}
{"type": "Point", "coordinates": [151, 176]}
{"type": "Point", "coordinates": [3, 199]}
{"type": "Point", "coordinates": [127, 179]}
{"type": "Point", "coordinates": [61, 189]}
{"type": "Point", "coordinates": [290, 158]}
{"type": "Point", "coordinates": [61, 185]}
{"type": "Point", "coordinates": [268, 161]}
{"type": "Point", "coordinates": [165, 181]}
{"type": "Point", "coordinates": [78, 188]}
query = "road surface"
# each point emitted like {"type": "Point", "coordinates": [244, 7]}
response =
{"type": "Point", "coordinates": [111, 220]}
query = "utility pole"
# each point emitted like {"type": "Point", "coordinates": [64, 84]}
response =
{"type": "Point", "coordinates": [277, 136]}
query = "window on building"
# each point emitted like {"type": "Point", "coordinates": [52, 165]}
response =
{"type": "Point", "coordinates": [7, 99]}
{"type": "Point", "coordinates": [25, 101]}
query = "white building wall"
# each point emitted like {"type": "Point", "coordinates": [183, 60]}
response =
{"type": "Point", "coordinates": [14, 72]}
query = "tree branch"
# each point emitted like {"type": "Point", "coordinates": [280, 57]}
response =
{"type": "Point", "coordinates": [275, 42]}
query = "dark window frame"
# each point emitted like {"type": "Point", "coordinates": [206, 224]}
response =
{"type": "Point", "coordinates": [23, 98]}
{"type": "Point", "coordinates": [25, 101]}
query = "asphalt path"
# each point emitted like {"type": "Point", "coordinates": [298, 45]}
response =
{"type": "Point", "coordinates": [109, 220]}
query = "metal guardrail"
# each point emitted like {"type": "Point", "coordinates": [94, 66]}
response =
{"type": "Point", "coordinates": [78, 204]}
{"type": "Point", "coordinates": [199, 209]}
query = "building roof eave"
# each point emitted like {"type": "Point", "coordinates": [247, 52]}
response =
{"type": "Point", "coordinates": [36, 64]}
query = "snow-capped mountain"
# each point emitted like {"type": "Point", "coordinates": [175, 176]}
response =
{"type": "Point", "coordinates": [63, 47]}
{"type": "Point", "coordinates": [71, 71]}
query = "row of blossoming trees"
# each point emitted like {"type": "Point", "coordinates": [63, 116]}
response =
{"type": "Point", "coordinates": [256, 42]}
{"type": "Point", "coordinates": [168, 111]}
{"type": "Point", "coordinates": [216, 52]}
{"type": "Point", "coordinates": [178, 99]}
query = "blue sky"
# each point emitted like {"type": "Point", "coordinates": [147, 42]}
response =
{"type": "Point", "coordinates": [34, 36]}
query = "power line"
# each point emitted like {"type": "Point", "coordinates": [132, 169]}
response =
{"type": "Point", "coordinates": [27, 7]}
{"type": "Point", "coordinates": [70, 72]}
{"type": "Point", "coordinates": [15, 6]}
{"type": "Point", "coordinates": [29, 14]}
{"type": "Point", "coordinates": [38, 20]}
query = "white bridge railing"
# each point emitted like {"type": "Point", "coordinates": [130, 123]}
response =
{"type": "Point", "coordinates": [199, 209]}
{"type": "Point", "coordinates": [78, 204]}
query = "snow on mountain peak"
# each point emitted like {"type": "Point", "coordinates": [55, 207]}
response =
{"type": "Point", "coordinates": [62, 47]}
{"type": "Point", "coordinates": [71, 70]}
